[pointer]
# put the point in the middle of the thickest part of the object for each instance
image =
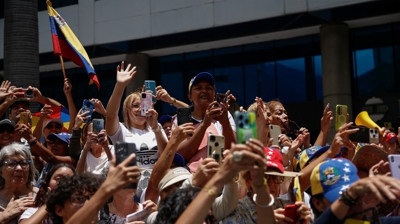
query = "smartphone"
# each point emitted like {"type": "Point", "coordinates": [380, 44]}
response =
{"type": "Point", "coordinates": [220, 98]}
{"type": "Point", "coordinates": [291, 212]}
{"type": "Point", "coordinates": [28, 93]}
{"type": "Point", "coordinates": [24, 118]}
{"type": "Point", "coordinates": [394, 164]}
{"type": "Point", "coordinates": [233, 106]}
{"type": "Point", "coordinates": [22, 196]}
{"type": "Point", "coordinates": [137, 216]}
{"type": "Point", "coordinates": [151, 85]}
{"type": "Point", "coordinates": [145, 103]}
{"type": "Point", "coordinates": [341, 116]}
{"type": "Point", "coordinates": [245, 126]}
{"type": "Point", "coordinates": [184, 115]}
{"type": "Point", "coordinates": [365, 135]}
{"type": "Point", "coordinates": [88, 106]}
{"type": "Point", "coordinates": [98, 125]}
{"type": "Point", "coordinates": [274, 132]}
{"type": "Point", "coordinates": [215, 147]}
{"type": "Point", "coordinates": [123, 150]}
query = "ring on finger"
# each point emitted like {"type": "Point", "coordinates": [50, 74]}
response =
{"type": "Point", "coordinates": [237, 156]}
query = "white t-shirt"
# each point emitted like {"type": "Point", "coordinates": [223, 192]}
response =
{"type": "Point", "coordinates": [145, 141]}
{"type": "Point", "coordinates": [29, 212]}
{"type": "Point", "coordinates": [96, 165]}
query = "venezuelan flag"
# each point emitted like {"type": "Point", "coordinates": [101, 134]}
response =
{"type": "Point", "coordinates": [297, 190]}
{"type": "Point", "coordinates": [59, 112]}
{"type": "Point", "coordinates": [67, 45]}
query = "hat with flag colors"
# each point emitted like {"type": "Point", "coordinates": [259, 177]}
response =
{"type": "Point", "coordinates": [333, 177]}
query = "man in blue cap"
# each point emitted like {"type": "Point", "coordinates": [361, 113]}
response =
{"type": "Point", "coordinates": [166, 123]}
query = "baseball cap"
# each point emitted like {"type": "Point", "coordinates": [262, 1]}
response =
{"type": "Point", "coordinates": [63, 136]}
{"type": "Point", "coordinates": [333, 177]}
{"type": "Point", "coordinates": [275, 162]}
{"type": "Point", "coordinates": [164, 119]}
{"type": "Point", "coordinates": [179, 160]}
{"type": "Point", "coordinates": [52, 120]}
{"type": "Point", "coordinates": [173, 176]}
{"type": "Point", "coordinates": [20, 101]}
{"type": "Point", "coordinates": [7, 121]}
{"type": "Point", "coordinates": [201, 76]}
{"type": "Point", "coordinates": [308, 155]}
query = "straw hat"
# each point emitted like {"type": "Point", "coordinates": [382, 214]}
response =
{"type": "Point", "coordinates": [369, 155]}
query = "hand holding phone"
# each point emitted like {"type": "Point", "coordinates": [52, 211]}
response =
{"type": "Point", "coordinates": [151, 85]}
{"type": "Point", "coordinates": [98, 125]}
{"type": "Point", "coordinates": [24, 118]}
{"type": "Point", "coordinates": [291, 212]}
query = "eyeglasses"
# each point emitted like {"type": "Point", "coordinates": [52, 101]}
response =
{"type": "Point", "coordinates": [57, 126]}
{"type": "Point", "coordinates": [6, 128]}
{"type": "Point", "coordinates": [50, 143]}
{"type": "Point", "coordinates": [275, 179]}
{"type": "Point", "coordinates": [12, 164]}
{"type": "Point", "coordinates": [78, 200]}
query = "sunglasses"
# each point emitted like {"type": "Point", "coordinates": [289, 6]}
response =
{"type": "Point", "coordinates": [51, 126]}
{"type": "Point", "coordinates": [6, 128]}
{"type": "Point", "coordinates": [59, 143]}
{"type": "Point", "coordinates": [78, 200]}
{"type": "Point", "coordinates": [12, 164]}
{"type": "Point", "coordinates": [275, 179]}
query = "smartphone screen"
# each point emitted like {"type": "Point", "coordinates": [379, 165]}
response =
{"type": "Point", "coordinates": [151, 85]}
{"type": "Point", "coordinates": [98, 125]}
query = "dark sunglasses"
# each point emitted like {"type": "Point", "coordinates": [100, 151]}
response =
{"type": "Point", "coordinates": [50, 126]}
{"type": "Point", "coordinates": [6, 128]}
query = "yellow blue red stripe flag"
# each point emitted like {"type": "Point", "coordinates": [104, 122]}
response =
{"type": "Point", "coordinates": [297, 190]}
{"type": "Point", "coordinates": [67, 45]}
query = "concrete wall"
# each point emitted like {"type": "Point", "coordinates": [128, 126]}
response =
{"type": "Point", "coordinates": [107, 21]}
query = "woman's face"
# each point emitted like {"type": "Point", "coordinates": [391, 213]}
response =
{"type": "Point", "coordinates": [52, 127]}
{"type": "Point", "coordinates": [279, 115]}
{"type": "Point", "coordinates": [58, 175]}
{"type": "Point", "coordinates": [202, 94]}
{"type": "Point", "coordinates": [134, 115]}
{"type": "Point", "coordinates": [58, 147]}
{"type": "Point", "coordinates": [274, 183]}
{"type": "Point", "coordinates": [6, 135]}
{"type": "Point", "coordinates": [167, 128]}
{"type": "Point", "coordinates": [15, 170]}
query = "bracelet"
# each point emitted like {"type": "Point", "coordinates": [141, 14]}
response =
{"type": "Point", "coordinates": [347, 200]}
{"type": "Point", "coordinates": [33, 142]}
{"type": "Point", "coordinates": [262, 185]}
{"type": "Point", "coordinates": [209, 191]}
{"type": "Point", "coordinates": [289, 164]}
{"type": "Point", "coordinates": [271, 202]}
{"type": "Point", "coordinates": [156, 129]}
{"type": "Point", "coordinates": [173, 101]}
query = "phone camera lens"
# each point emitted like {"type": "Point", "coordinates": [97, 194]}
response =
{"type": "Point", "coordinates": [216, 144]}
{"type": "Point", "coordinates": [240, 117]}
{"type": "Point", "coordinates": [240, 125]}
{"type": "Point", "coordinates": [339, 110]}
{"type": "Point", "coordinates": [246, 121]}
{"type": "Point", "coordinates": [143, 95]}
{"type": "Point", "coordinates": [212, 138]}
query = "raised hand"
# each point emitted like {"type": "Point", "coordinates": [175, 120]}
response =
{"type": "Point", "coordinates": [342, 138]}
{"type": "Point", "coordinates": [326, 120]}
{"type": "Point", "coordinates": [46, 111]}
{"type": "Point", "coordinates": [67, 86]}
{"type": "Point", "coordinates": [80, 118]}
{"type": "Point", "coordinates": [125, 76]}
{"type": "Point", "coordinates": [5, 85]}
{"type": "Point", "coordinates": [98, 107]}
{"type": "Point", "coordinates": [182, 132]}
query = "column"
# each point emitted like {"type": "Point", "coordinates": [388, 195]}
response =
{"type": "Point", "coordinates": [141, 61]}
{"type": "Point", "coordinates": [336, 69]}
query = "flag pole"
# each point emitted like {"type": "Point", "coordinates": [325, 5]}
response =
{"type": "Point", "coordinates": [62, 67]}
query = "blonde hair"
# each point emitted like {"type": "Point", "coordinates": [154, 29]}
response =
{"type": "Point", "coordinates": [128, 109]}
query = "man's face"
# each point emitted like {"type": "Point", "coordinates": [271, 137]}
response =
{"type": "Point", "coordinates": [16, 109]}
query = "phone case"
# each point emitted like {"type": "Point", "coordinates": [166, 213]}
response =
{"type": "Point", "coordinates": [291, 212]}
{"type": "Point", "coordinates": [123, 150]}
{"type": "Point", "coordinates": [245, 126]}
{"type": "Point", "coordinates": [24, 118]}
{"type": "Point", "coordinates": [341, 116]}
{"type": "Point", "coordinates": [394, 164]}
{"type": "Point", "coordinates": [151, 85]}
{"type": "Point", "coordinates": [88, 106]}
{"type": "Point", "coordinates": [145, 103]}
{"type": "Point", "coordinates": [184, 115]}
{"type": "Point", "coordinates": [365, 135]}
{"type": "Point", "coordinates": [274, 132]}
{"type": "Point", "coordinates": [215, 147]}
{"type": "Point", "coordinates": [98, 125]}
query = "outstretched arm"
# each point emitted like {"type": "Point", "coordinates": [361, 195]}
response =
{"type": "Point", "coordinates": [124, 77]}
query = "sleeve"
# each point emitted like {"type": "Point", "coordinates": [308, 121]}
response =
{"type": "Point", "coordinates": [232, 121]}
{"type": "Point", "coordinates": [151, 218]}
{"type": "Point", "coordinates": [74, 147]}
{"type": "Point", "coordinates": [27, 214]}
{"type": "Point", "coordinates": [327, 217]}
{"type": "Point", "coordinates": [119, 136]}
{"type": "Point", "coordinates": [226, 203]}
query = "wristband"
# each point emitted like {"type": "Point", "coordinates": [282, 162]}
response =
{"type": "Point", "coordinates": [173, 101]}
{"type": "Point", "coordinates": [156, 129]}
{"type": "Point", "coordinates": [32, 142]}
{"type": "Point", "coordinates": [347, 200]}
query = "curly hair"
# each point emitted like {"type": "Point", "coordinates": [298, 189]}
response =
{"type": "Point", "coordinates": [174, 204]}
{"type": "Point", "coordinates": [43, 189]}
{"type": "Point", "coordinates": [17, 148]}
{"type": "Point", "coordinates": [69, 185]}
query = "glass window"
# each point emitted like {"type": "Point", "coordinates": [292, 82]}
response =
{"type": "Point", "coordinates": [291, 80]}
{"type": "Point", "coordinates": [318, 76]}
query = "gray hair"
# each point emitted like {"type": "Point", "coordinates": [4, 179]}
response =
{"type": "Point", "coordinates": [16, 148]}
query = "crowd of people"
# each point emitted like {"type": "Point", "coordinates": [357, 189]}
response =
{"type": "Point", "coordinates": [148, 168]}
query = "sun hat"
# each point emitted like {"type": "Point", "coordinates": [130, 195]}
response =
{"type": "Point", "coordinates": [275, 164]}
{"type": "Point", "coordinates": [332, 177]}
{"type": "Point", "coordinates": [369, 155]}
{"type": "Point", "coordinates": [201, 76]}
